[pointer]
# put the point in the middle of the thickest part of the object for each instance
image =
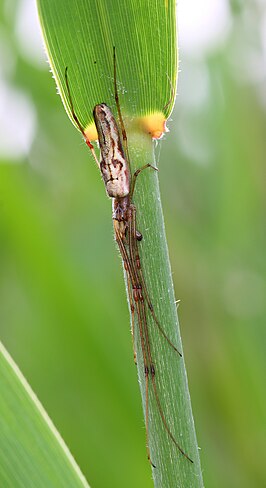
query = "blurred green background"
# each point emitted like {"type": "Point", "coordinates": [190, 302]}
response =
{"type": "Point", "coordinates": [63, 310]}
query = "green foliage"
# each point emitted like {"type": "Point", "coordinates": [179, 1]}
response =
{"type": "Point", "coordinates": [63, 311]}
{"type": "Point", "coordinates": [80, 34]}
{"type": "Point", "coordinates": [31, 451]}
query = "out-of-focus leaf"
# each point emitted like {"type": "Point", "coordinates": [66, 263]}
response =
{"type": "Point", "coordinates": [32, 453]}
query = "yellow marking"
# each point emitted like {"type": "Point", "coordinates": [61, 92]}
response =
{"type": "Point", "coordinates": [153, 124]}
{"type": "Point", "coordinates": [91, 132]}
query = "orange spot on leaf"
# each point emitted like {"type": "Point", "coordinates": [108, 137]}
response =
{"type": "Point", "coordinates": [91, 132]}
{"type": "Point", "coordinates": [153, 124]}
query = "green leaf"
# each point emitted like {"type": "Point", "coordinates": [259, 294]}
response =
{"type": "Point", "coordinates": [32, 452]}
{"type": "Point", "coordinates": [80, 35]}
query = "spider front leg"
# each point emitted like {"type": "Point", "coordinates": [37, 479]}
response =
{"type": "Point", "coordinates": [135, 175]}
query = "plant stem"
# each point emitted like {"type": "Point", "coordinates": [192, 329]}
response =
{"type": "Point", "coordinates": [172, 468]}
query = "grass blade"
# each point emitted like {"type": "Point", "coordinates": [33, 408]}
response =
{"type": "Point", "coordinates": [32, 451]}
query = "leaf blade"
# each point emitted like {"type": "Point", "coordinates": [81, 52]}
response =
{"type": "Point", "coordinates": [32, 451]}
{"type": "Point", "coordinates": [81, 35]}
